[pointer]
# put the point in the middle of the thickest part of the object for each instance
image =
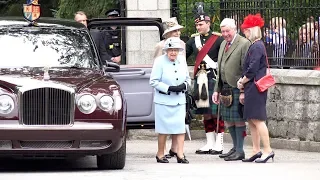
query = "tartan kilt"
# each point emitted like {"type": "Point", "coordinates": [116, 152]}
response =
{"type": "Point", "coordinates": [213, 109]}
{"type": "Point", "coordinates": [231, 113]}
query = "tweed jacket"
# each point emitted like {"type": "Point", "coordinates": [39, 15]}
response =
{"type": "Point", "coordinates": [234, 60]}
{"type": "Point", "coordinates": [166, 73]}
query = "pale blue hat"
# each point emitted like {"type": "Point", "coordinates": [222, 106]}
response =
{"type": "Point", "coordinates": [173, 43]}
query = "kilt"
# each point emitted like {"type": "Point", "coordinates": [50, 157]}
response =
{"type": "Point", "coordinates": [213, 109]}
{"type": "Point", "coordinates": [231, 113]}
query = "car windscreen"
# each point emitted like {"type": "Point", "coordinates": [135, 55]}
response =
{"type": "Point", "coordinates": [46, 47]}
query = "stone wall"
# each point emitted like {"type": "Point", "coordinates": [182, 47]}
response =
{"type": "Point", "coordinates": [141, 41]}
{"type": "Point", "coordinates": [294, 105]}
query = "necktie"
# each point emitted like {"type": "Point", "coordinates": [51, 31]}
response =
{"type": "Point", "coordinates": [227, 46]}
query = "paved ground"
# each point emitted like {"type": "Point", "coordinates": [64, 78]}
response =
{"type": "Point", "coordinates": [141, 164]}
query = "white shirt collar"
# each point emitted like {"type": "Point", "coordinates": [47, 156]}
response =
{"type": "Point", "coordinates": [233, 39]}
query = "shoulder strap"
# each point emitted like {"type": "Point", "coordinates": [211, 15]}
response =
{"type": "Point", "coordinates": [204, 51]}
{"type": "Point", "coordinates": [265, 51]}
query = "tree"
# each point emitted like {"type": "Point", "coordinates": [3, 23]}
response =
{"type": "Point", "coordinates": [14, 7]}
{"type": "Point", "coordinates": [93, 8]}
{"type": "Point", "coordinates": [186, 10]}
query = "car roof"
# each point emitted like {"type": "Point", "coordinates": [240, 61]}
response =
{"type": "Point", "coordinates": [43, 21]}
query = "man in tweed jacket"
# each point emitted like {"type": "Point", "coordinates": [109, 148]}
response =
{"type": "Point", "coordinates": [230, 60]}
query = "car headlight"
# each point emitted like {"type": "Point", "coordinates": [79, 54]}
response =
{"type": "Point", "coordinates": [6, 104]}
{"type": "Point", "coordinates": [106, 103]}
{"type": "Point", "coordinates": [87, 104]}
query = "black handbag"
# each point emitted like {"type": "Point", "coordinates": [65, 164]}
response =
{"type": "Point", "coordinates": [190, 106]}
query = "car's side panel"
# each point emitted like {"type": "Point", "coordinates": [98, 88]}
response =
{"type": "Point", "coordinates": [134, 83]}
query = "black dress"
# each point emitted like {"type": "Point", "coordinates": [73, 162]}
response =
{"type": "Point", "coordinates": [254, 68]}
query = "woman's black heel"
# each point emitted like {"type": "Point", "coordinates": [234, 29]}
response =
{"type": "Point", "coordinates": [162, 160]}
{"type": "Point", "coordinates": [254, 157]}
{"type": "Point", "coordinates": [182, 160]}
{"type": "Point", "coordinates": [171, 154]}
{"type": "Point", "coordinates": [271, 155]}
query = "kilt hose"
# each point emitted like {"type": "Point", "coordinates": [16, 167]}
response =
{"type": "Point", "coordinates": [231, 113]}
{"type": "Point", "coordinates": [210, 125]}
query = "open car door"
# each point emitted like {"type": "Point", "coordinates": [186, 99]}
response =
{"type": "Point", "coordinates": [138, 39]}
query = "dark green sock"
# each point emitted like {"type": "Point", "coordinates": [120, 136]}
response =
{"type": "Point", "coordinates": [240, 133]}
{"type": "Point", "coordinates": [232, 132]}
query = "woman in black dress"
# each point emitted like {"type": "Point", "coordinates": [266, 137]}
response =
{"type": "Point", "coordinates": [254, 68]}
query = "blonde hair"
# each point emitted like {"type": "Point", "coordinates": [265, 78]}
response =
{"type": "Point", "coordinates": [255, 33]}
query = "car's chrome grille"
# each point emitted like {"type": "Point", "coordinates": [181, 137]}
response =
{"type": "Point", "coordinates": [46, 144]}
{"type": "Point", "coordinates": [46, 106]}
{"type": "Point", "coordinates": [5, 144]}
{"type": "Point", "coordinates": [95, 144]}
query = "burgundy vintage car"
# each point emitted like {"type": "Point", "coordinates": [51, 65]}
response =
{"type": "Point", "coordinates": [57, 99]}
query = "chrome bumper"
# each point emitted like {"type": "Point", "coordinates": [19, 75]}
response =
{"type": "Point", "coordinates": [14, 125]}
{"type": "Point", "coordinates": [81, 137]}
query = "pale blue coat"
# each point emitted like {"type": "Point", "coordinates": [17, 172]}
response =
{"type": "Point", "coordinates": [170, 109]}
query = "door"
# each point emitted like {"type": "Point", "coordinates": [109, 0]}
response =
{"type": "Point", "coordinates": [137, 49]}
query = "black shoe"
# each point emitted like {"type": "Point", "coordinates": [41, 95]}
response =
{"type": "Point", "coordinates": [235, 156]}
{"type": "Point", "coordinates": [213, 152]}
{"type": "Point", "coordinates": [233, 150]}
{"type": "Point", "coordinates": [182, 160]}
{"type": "Point", "coordinates": [162, 160]}
{"type": "Point", "coordinates": [254, 157]}
{"type": "Point", "coordinates": [203, 152]}
{"type": "Point", "coordinates": [271, 155]}
{"type": "Point", "coordinates": [170, 155]}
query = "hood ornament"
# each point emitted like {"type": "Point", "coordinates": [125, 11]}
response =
{"type": "Point", "coordinates": [46, 75]}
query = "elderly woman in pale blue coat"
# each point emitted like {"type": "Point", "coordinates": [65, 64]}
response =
{"type": "Point", "coordinates": [170, 78]}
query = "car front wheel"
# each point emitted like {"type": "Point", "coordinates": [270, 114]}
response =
{"type": "Point", "coordinates": [116, 160]}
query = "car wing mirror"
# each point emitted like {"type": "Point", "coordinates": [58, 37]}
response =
{"type": "Point", "coordinates": [111, 67]}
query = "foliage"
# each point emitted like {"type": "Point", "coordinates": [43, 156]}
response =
{"type": "Point", "coordinates": [14, 7]}
{"type": "Point", "coordinates": [93, 8]}
{"type": "Point", "coordinates": [61, 8]}
{"type": "Point", "coordinates": [186, 10]}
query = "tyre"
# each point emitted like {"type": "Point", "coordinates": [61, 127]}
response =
{"type": "Point", "coordinates": [116, 160]}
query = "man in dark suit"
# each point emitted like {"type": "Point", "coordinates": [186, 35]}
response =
{"type": "Point", "coordinates": [230, 61]}
{"type": "Point", "coordinates": [96, 35]}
